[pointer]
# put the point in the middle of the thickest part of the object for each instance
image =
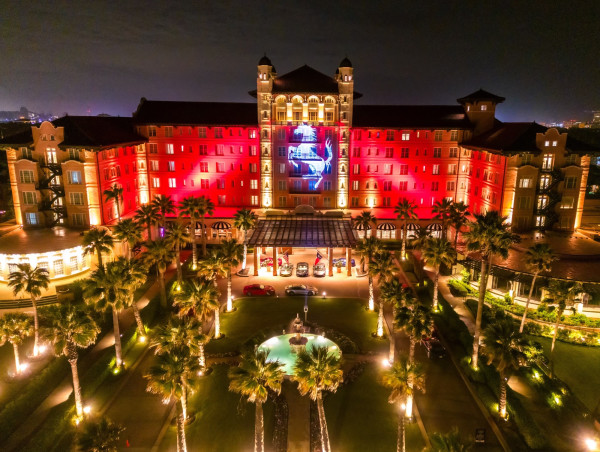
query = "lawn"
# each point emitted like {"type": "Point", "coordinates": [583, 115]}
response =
{"type": "Point", "coordinates": [265, 316]}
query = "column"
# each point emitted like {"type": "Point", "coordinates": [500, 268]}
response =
{"type": "Point", "coordinates": [330, 259]}
{"type": "Point", "coordinates": [274, 261]}
{"type": "Point", "coordinates": [256, 262]}
{"type": "Point", "coordinates": [349, 261]}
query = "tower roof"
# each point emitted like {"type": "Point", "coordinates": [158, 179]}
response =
{"type": "Point", "coordinates": [265, 61]}
{"type": "Point", "coordinates": [480, 95]}
{"type": "Point", "coordinates": [305, 80]}
{"type": "Point", "coordinates": [345, 63]}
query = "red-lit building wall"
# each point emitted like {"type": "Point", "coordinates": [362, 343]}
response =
{"type": "Point", "coordinates": [485, 182]}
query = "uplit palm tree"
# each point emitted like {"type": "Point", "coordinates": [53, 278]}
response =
{"type": "Point", "coordinates": [14, 328]}
{"type": "Point", "coordinates": [129, 233]}
{"type": "Point", "coordinates": [205, 207]}
{"type": "Point", "coordinates": [538, 258]}
{"type": "Point", "coordinates": [178, 236]}
{"type": "Point", "coordinates": [134, 274]}
{"type": "Point", "coordinates": [366, 249]}
{"type": "Point", "coordinates": [244, 220]}
{"type": "Point", "coordinates": [420, 239]}
{"type": "Point", "coordinates": [253, 379]}
{"type": "Point", "coordinates": [30, 281]}
{"type": "Point", "coordinates": [190, 207]}
{"type": "Point", "coordinates": [115, 193]}
{"type": "Point", "coordinates": [213, 267]}
{"type": "Point", "coordinates": [438, 252]}
{"type": "Point", "coordinates": [450, 442]}
{"type": "Point", "coordinates": [316, 371]}
{"type": "Point", "coordinates": [381, 267]}
{"type": "Point", "coordinates": [394, 294]}
{"type": "Point", "coordinates": [160, 253]}
{"type": "Point", "coordinates": [364, 220]}
{"type": "Point", "coordinates": [100, 436]}
{"type": "Point", "coordinates": [503, 345]}
{"type": "Point", "coordinates": [173, 375]}
{"type": "Point", "coordinates": [405, 210]}
{"type": "Point", "coordinates": [69, 327]}
{"type": "Point", "coordinates": [148, 215]}
{"type": "Point", "coordinates": [231, 253]}
{"type": "Point", "coordinates": [403, 379]}
{"type": "Point", "coordinates": [488, 236]}
{"type": "Point", "coordinates": [442, 211]}
{"type": "Point", "coordinates": [199, 298]}
{"type": "Point", "coordinates": [181, 332]}
{"type": "Point", "coordinates": [164, 205]}
{"type": "Point", "coordinates": [458, 218]}
{"type": "Point", "coordinates": [98, 241]}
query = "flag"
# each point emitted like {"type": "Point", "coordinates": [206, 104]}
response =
{"type": "Point", "coordinates": [286, 257]}
{"type": "Point", "coordinates": [319, 257]}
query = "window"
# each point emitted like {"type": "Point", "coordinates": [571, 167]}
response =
{"type": "Point", "coordinates": [403, 170]}
{"type": "Point", "coordinates": [387, 202]}
{"type": "Point", "coordinates": [171, 166]}
{"type": "Point", "coordinates": [356, 169]}
{"type": "Point", "coordinates": [404, 153]}
{"type": "Point", "coordinates": [388, 168]}
{"type": "Point", "coordinates": [438, 135]}
{"type": "Point", "coordinates": [567, 202]}
{"type": "Point", "coordinates": [523, 202]}
{"type": "Point", "coordinates": [281, 115]}
{"type": "Point", "coordinates": [555, 143]}
{"type": "Point", "coordinates": [542, 202]}
{"type": "Point", "coordinates": [356, 152]}
{"type": "Point", "coordinates": [454, 135]}
{"type": "Point", "coordinates": [76, 199]}
{"type": "Point", "coordinates": [452, 167]}
{"type": "Point", "coordinates": [155, 182]}
{"type": "Point", "coordinates": [26, 153]}
{"type": "Point", "coordinates": [389, 135]}
{"type": "Point", "coordinates": [172, 182]}
{"type": "Point", "coordinates": [570, 182]}
{"type": "Point", "coordinates": [435, 186]}
{"type": "Point", "coordinates": [282, 168]}
{"type": "Point", "coordinates": [282, 185]}
{"type": "Point", "coordinates": [221, 200]}
{"type": "Point", "coordinates": [59, 268]}
{"type": "Point", "coordinates": [355, 185]}
{"type": "Point", "coordinates": [544, 181]}
{"type": "Point", "coordinates": [540, 220]}
{"type": "Point", "coordinates": [437, 152]}
{"type": "Point", "coordinates": [405, 136]}
{"type": "Point", "coordinates": [252, 150]}
{"type": "Point", "coordinates": [29, 197]}
{"type": "Point", "coordinates": [312, 185]}
{"type": "Point", "coordinates": [218, 132]}
{"type": "Point", "coordinates": [74, 177]}
{"type": "Point", "coordinates": [453, 153]}
{"type": "Point", "coordinates": [525, 183]}
{"type": "Point", "coordinates": [389, 152]}
{"type": "Point", "coordinates": [281, 151]}
{"type": "Point", "coordinates": [168, 131]}
{"type": "Point", "coordinates": [26, 177]}
{"type": "Point", "coordinates": [170, 149]}
{"type": "Point", "coordinates": [74, 154]}
{"type": "Point", "coordinates": [219, 150]}
{"type": "Point", "coordinates": [483, 107]}
{"type": "Point", "coordinates": [151, 131]}
{"type": "Point", "coordinates": [547, 162]}
{"type": "Point", "coordinates": [450, 186]}
{"type": "Point", "coordinates": [387, 185]}
{"type": "Point", "coordinates": [327, 201]}
{"type": "Point", "coordinates": [403, 186]}
{"type": "Point", "coordinates": [220, 167]}
{"type": "Point", "coordinates": [30, 218]}
{"type": "Point", "coordinates": [73, 263]}
{"type": "Point", "coordinates": [254, 184]}
{"type": "Point", "coordinates": [154, 165]}
{"type": "Point", "coordinates": [329, 118]}
{"type": "Point", "coordinates": [282, 201]}
{"type": "Point", "coordinates": [354, 202]}
{"type": "Point", "coordinates": [435, 169]}
{"type": "Point", "coordinates": [203, 166]}
{"type": "Point", "coordinates": [252, 167]}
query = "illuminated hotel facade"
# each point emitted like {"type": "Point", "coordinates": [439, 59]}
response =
{"type": "Point", "coordinates": [303, 142]}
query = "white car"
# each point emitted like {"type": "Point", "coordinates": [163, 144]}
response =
{"type": "Point", "coordinates": [286, 270]}
{"type": "Point", "coordinates": [300, 289]}
{"type": "Point", "coordinates": [319, 270]}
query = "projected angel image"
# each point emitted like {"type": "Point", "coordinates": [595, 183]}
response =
{"type": "Point", "coordinates": [307, 162]}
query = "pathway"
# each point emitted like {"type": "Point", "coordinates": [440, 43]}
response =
{"type": "Point", "coordinates": [299, 418]}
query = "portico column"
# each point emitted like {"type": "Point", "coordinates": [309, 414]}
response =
{"type": "Point", "coordinates": [330, 252]}
{"type": "Point", "coordinates": [349, 261]}
{"type": "Point", "coordinates": [274, 261]}
{"type": "Point", "coordinates": [256, 253]}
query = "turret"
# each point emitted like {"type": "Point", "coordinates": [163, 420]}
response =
{"type": "Point", "coordinates": [480, 108]}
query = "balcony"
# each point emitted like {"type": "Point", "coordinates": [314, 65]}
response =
{"type": "Point", "coordinates": [305, 191]}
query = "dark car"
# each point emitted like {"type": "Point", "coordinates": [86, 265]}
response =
{"type": "Point", "coordinates": [342, 261]}
{"type": "Point", "coordinates": [300, 289]}
{"type": "Point", "coordinates": [302, 269]}
{"type": "Point", "coordinates": [259, 290]}
{"type": "Point", "coordinates": [434, 348]}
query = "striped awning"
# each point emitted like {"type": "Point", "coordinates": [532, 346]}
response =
{"type": "Point", "coordinates": [360, 227]}
{"type": "Point", "coordinates": [221, 225]}
{"type": "Point", "coordinates": [412, 227]}
{"type": "Point", "coordinates": [386, 227]}
{"type": "Point", "coordinates": [199, 225]}
{"type": "Point", "coordinates": [434, 227]}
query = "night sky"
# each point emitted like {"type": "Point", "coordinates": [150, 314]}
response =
{"type": "Point", "coordinates": [102, 57]}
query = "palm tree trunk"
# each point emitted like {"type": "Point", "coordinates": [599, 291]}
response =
{"type": "Point", "coordinates": [380, 320]}
{"type": "Point", "coordinates": [128, 247]}
{"type": "Point", "coordinates": [259, 429]}
{"type": "Point", "coordinates": [229, 301]}
{"type": "Point", "coordinates": [325, 446]}
{"type": "Point", "coordinates": [392, 356]}
{"type": "Point", "coordinates": [118, 209]}
{"type": "Point", "coordinates": [138, 318]}
{"type": "Point", "coordinates": [245, 251]}
{"type": "Point", "coordinates": [17, 360]}
{"type": "Point", "coordinates": [558, 315]}
{"type": "Point", "coordinates": [401, 446]}
{"type": "Point", "coordinates": [411, 360]}
{"type": "Point", "coordinates": [36, 328]}
{"type": "Point", "coordinates": [99, 253]}
{"type": "Point", "coordinates": [502, 404]}
{"type": "Point", "coordinates": [178, 262]}
{"type": "Point", "coordinates": [149, 231]}
{"type": "Point", "coordinates": [203, 238]}
{"type": "Point", "coordinates": [76, 385]}
{"type": "Point", "coordinates": [181, 443]}
{"type": "Point", "coordinates": [371, 295]}
{"type": "Point", "coordinates": [201, 357]}
{"type": "Point", "coordinates": [403, 252]}
{"type": "Point", "coordinates": [482, 290]}
{"type": "Point", "coordinates": [456, 229]}
{"type": "Point", "coordinates": [184, 402]}
{"type": "Point", "coordinates": [163, 290]}
{"type": "Point", "coordinates": [194, 245]}
{"type": "Point", "coordinates": [117, 334]}
{"type": "Point", "coordinates": [435, 289]}
{"type": "Point", "coordinates": [217, 324]}
{"type": "Point", "coordinates": [527, 302]}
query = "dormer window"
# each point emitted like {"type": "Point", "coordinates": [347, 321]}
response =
{"type": "Point", "coordinates": [483, 107]}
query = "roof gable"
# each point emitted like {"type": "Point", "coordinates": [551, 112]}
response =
{"type": "Point", "coordinates": [480, 95]}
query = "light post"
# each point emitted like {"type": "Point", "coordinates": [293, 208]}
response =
{"type": "Point", "coordinates": [305, 309]}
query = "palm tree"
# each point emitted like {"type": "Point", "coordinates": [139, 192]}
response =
{"type": "Point", "coordinates": [147, 214]}
{"type": "Point", "coordinates": [199, 298]}
{"type": "Point", "coordinates": [253, 379]}
{"type": "Point", "coordinates": [538, 258]}
{"type": "Point", "coordinates": [403, 378]}
{"type": "Point", "coordinates": [30, 281]}
{"type": "Point", "coordinates": [393, 293]}
{"type": "Point", "coordinates": [438, 252]}
{"type": "Point", "coordinates": [488, 235]}
{"type": "Point", "coordinates": [442, 211]}
{"type": "Point", "coordinates": [381, 267]}
{"type": "Point", "coordinates": [178, 236]}
{"type": "Point", "coordinates": [69, 327]}
{"type": "Point", "coordinates": [245, 220]}
{"type": "Point", "coordinates": [205, 207]}
{"type": "Point", "coordinates": [366, 249]}
{"type": "Point", "coordinates": [450, 442]}
{"type": "Point", "coordinates": [100, 436]}
{"type": "Point", "coordinates": [107, 288]}
{"type": "Point", "coordinates": [420, 239]}
{"type": "Point", "coordinates": [364, 220]}
{"type": "Point", "coordinates": [129, 233]}
{"type": "Point", "coordinates": [405, 211]}
{"type": "Point", "coordinates": [503, 345]}
{"type": "Point", "coordinates": [231, 253]}
{"type": "Point", "coordinates": [160, 253]}
{"type": "Point", "coordinates": [98, 241]}
{"type": "Point", "coordinates": [190, 207]}
{"type": "Point", "coordinates": [316, 371]}
{"type": "Point", "coordinates": [134, 275]}
{"type": "Point", "coordinates": [116, 194]}
{"type": "Point", "coordinates": [458, 218]}
{"type": "Point", "coordinates": [172, 377]}
{"type": "Point", "coordinates": [164, 205]}
{"type": "Point", "coordinates": [181, 332]}
{"type": "Point", "coordinates": [14, 328]}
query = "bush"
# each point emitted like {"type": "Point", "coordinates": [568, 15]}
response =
{"type": "Point", "coordinates": [528, 428]}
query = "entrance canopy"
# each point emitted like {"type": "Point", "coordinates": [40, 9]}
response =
{"type": "Point", "coordinates": [303, 232]}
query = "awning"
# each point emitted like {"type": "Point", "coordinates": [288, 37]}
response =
{"type": "Point", "coordinates": [413, 227]}
{"type": "Point", "coordinates": [199, 225]}
{"type": "Point", "coordinates": [308, 232]}
{"type": "Point", "coordinates": [361, 227]}
{"type": "Point", "coordinates": [221, 225]}
{"type": "Point", "coordinates": [386, 227]}
{"type": "Point", "coordinates": [434, 227]}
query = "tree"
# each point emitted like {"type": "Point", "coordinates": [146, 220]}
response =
{"type": "Point", "coordinates": [98, 241]}
{"type": "Point", "coordinates": [178, 237]}
{"type": "Point", "coordinates": [488, 236]}
{"type": "Point", "coordinates": [128, 232]}
{"type": "Point", "coordinates": [30, 281]}
{"type": "Point", "coordinates": [503, 345]}
{"type": "Point", "coordinates": [244, 220]}
{"type": "Point", "coordinates": [115, 193]}
{"type": "Point", "coordinates": [164, 205]}
{"type": "Point", "coordinates": [230, 253]}
{"type": "Point", "coordinates": [364, 220]}
{"type": "Point", "coordinates": [403, 378]}
{"type": "Point", "coordinates": [148, 215]}
{"type": "Point", "coordinates": [69, 327]}
{"type": "Point", "coordinates": [172, 377]}
{"type": "Point", "coordinates": [420, 239]}
{"type": "Point", "coordinates": [366, 249]}
{"type": "Point", "coordinates": [134, 275]}
{"type": "Point", "coordinates": [160, 253]}
{"type": "Point", "coordinates": [253, 379]}
{"type": "Point", "coordinates": [100, 436]}
{"type": "Point", "coordinates": [190, 207]}
{"type": "Point", "coordinates": [205, 207]}
{"type": "Point", "coordinates": [381, 267]}
{"type": "Point", "coordinates": [450, 442]}
{"type": "Point", "coordinates": [199, 298]}
{"type": "Point", "coordinates": [394, 294]}
{"type": "Point", "coordinates": [438, 252]}
{"type": "Point", "coordinates": [442, 211]}
{"type": "Point", "coordinates": [14, 328]}
{"type": "Point", "coordinates": [181, 332]}
{"type": "Point", "coordinates": [107, 288]}
{"type": "Point", "coordinates": [458, 218]}
{"type": "Point", "coordinates": [538, 258]}
{"type": "Point", "coordinates": [316, 371]}
{"type": "Point", "coordinates": [405, 210]}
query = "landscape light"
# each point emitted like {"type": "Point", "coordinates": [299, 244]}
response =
{"type": "Point", "coordinates": [142, 339]}
{"type": "Point", "coordinates": [87, 409]}
{"type": "Point", "coordinates": [591, 444]}
{"type": "Point", "coordinates": [324, 294]}
{"type": "Point", "coordinates": [386, 362]}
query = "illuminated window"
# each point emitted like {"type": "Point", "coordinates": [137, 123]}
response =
{"type": "Point", "coordinates": [252, 133]}
{"type": "Point", "coordinates": [172, 182]}
{"type": "Point", "coordinates": [452, 168]}
{"type": "Point", "coordinates": [405, 136]}
{"type": "Point", "coordinates": [154, 165]}
{"type": "Point", "coordinates": [170, 149]}
{"type": "Point", "coordinates": [540, 220]}
{"type": "Point", "coordinates": [483, 107]}
{"type": "Point", "coordinates": [151, 131]}
{"type": "Point", "coordinates": [570, 182]}
{"type": "Point", "coordinates": [155, 182]}
{"type": "Point", "coordinates": [355, 185]}
{"type": "Point", "coordinates": [525, 182]}
{"type": "Point", "coordinates": [555, 143]}
{"type": "Point", "coordinates": [388, 168]}
{"type": "Point", "coordinates": [76, 199]}
{"type": "Point", "coordinates": [30, 218]}
{"type": "Point", "coordinates": [567, 202]}
{"type": "Point", "coordinates": [254, 184]}
{"type": "Point", "coordinates": [26, 177]}
{"type": "Point", "coordinates": [356, 169]}
{"type": "Point", "coordinates": [218, 132]}
{"type": "Point", "coordinates": [435, 169]}
{"type": "Point", "coordinates": [254, 200]}
{"type": "Point", "coordinates": [329, 116]}
{"type": "Point", "coordinates": [548, 162]}
{"type": "Point", "coordinates": [171, 166]}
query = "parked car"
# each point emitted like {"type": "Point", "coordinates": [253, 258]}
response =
{"type": "Point", "coordinates": [300, 289]}
{"type": "Point", "coordinates": [319, 270]}
{"type": "Point", "coordinates": [302, 269]}
{"type": "Point", "coordinates": [268, 261]}
{"type": "Point", "coordinates": [434, 348]}
{"type": "Point", "coordinates": [259, 290]}
{"type": "Point", "coordinates": [286, 270]}
{"type": "Point", "coordinates": [342, 261]}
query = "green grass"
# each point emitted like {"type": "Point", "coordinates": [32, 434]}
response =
{"type": "Point", "coordinates": [271, 315]}
{"type": "Point", "coordinates": [361, 419]}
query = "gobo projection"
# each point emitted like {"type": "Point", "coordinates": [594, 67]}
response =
{"type": "Point", "coordinates": [305, 159]}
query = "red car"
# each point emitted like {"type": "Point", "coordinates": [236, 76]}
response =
{"type": "Point", "coordinates": [258, 290]}
{"type": "Point", "coordinates": [268, 261]}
